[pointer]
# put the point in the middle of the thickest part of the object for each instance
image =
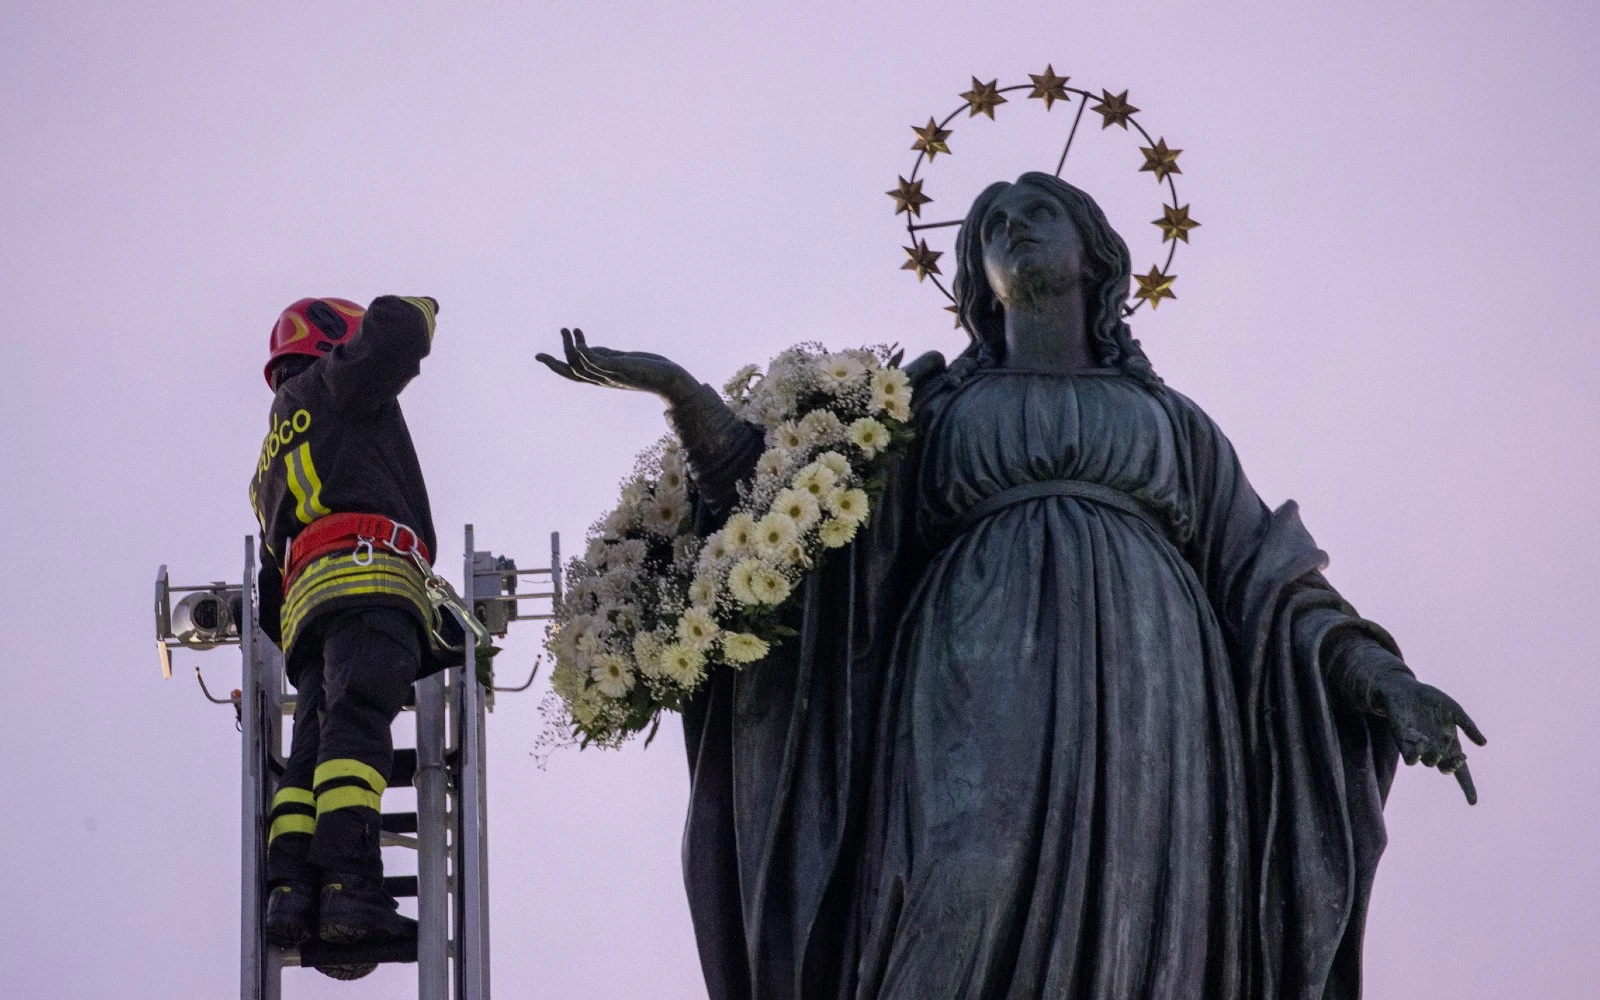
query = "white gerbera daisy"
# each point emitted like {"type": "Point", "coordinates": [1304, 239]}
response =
{"type": "Point", "coordinates": [773, 461]}
{"type": "Point", "coordinates": [898, 408]}
{"type": "Point", "coordinates": [835, 463]}
{"type": "Point", "coordinates": [891, 381]}
{"type": "Point", "coordinates": [697, 629]}
{"type": "Point", "coordinates": [774, 533]}
{"type": "Point", "coordinates": [716, 548]}
{"type": "Point", "coordinates": [849, 505]}
{"type": "Point", "coordinates": [739, 581]}
{"type": "Point", "coordinates": [703, 591]}
{"type": "Point", "coordinates": [869, 435]}
{"type": "Point", "coordinates": [817, 479]}
{"type": "Point", "coordinates": [822, 427]}
{"type": "Point", "coordinates": [683, 664]}
{"type": "Point", "coordinates": [666, 515]}
{"type": "Point", "coordinates": [838, 372]}
{"type": "Point", "coordinates": [566, 680]}
{"type": "Point", "coordinates": [628, 553]}
{"type": "Point", "coordinates": [798, 506]}
{"type": "Point", "coordinates": [786, 435]}
{"type": "Point", "coordinates": [742, 647]}
{"type": "Point", "coordinates": [647, 653]}
{"type": "Point", "coordinates": [836, 533]}
{"type": "Point", "coordinates": [740, 534]}
{"type": "Point", "coordinates": [769, 586]}
{"type": "Point", "coordinates": [739, 385]}
{"type": "Point", "coordinates": [611, 675]}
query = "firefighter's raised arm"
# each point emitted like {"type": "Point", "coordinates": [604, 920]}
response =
{"type": "Point", "coordinates": [374, 366]}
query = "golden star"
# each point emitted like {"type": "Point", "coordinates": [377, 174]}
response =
{"type": "Point", "coordinates": [931, 139]}
{"type": "Point", "coordinates": [1161, 160]}
{"type": "Point", "coordinates": [983, 98]}
{"type": "Point", "coordinates": [952, 310]}
{"type": "Point", "coordinates": [1155, 286]}
{"type": "Point", "coordinates": [1175, 223]}
{"type": "Point", "coordinates": [908, 197]}
{"type": "Point", "coordinates": [923, 261]}
{"type": "Point", "coordinates": [1115, 109]}
{"type": "Point", "coordinates": [1048, 87]}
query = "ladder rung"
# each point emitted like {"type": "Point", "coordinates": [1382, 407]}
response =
{"type": "Point", "coordinates": [316, 953]}
{"type": "Point", "coordinates": [400, 886]}
{"type": "Point", "coordinates": [404, 769]}
{"type": "Point", "coordinates": [399, 823]}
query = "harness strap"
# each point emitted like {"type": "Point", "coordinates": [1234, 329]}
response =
{"type": "Point", "coordinates": [343, 532]}
{"type": "Point", "coordinates": [1105, 496]}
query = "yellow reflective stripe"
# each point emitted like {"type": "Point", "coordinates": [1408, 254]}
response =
{"type": "Point", "coordinates": [302, 509]}
{"type": "Point", "coordinates": [427, 311]}
{"type": "Point", "coordinates": [348, 797]}
{"type": "Point", "coordinates": [310, 469]}
{"type": "Point", "coordinates": [338, 575]}
{"type": "Point", "coordinates": [294, 823]}
{"type": "Point", "coordinates": [302, 796]}
{"type": "Point", "coordinates": [345, 767]}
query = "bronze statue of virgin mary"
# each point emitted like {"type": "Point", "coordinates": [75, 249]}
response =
{"type": "Point", "coordinates": [1076, 715]}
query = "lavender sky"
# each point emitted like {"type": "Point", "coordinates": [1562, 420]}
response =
{"type": "Point", "coordinates": [1388, 308]}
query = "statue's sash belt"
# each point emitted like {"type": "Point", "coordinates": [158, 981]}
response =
{"type": "Point", "coordinates": [1105, 496]}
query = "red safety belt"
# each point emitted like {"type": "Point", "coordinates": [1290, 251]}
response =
{"type": "Point", "coordinates": [345, 533]}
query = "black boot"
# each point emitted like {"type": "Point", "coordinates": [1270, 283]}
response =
{"type": "Point", "coordinates": [356, 908]}
{"type": "Point", "coordinates": [291, 914]}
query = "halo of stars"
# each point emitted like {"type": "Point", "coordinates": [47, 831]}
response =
{"type": "Point", "coordinates": [1050, 89]}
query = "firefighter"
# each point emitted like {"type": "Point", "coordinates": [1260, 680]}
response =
{"type": "Point", "coordinates": [342, 506]}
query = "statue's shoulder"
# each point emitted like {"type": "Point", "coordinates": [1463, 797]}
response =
{"type": "Point", "coordinates": [925, 368]}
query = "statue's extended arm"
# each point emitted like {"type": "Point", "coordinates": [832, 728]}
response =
{"type": "Point", "coordinates": [722, 448]}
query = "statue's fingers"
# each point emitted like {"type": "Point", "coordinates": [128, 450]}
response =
{"type": "Point", "coordinates": [1469, 727]}
{"type": "Point", "coordinates": [1430, 755]}
{"type": "Point", "coordinates": [1464, 779]}
{"type": "Point", "coordinates": [562, 369]}
{"type": "Point", "coordinates": [1409, 750]}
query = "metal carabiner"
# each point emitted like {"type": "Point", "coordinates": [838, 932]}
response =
{"type": "Point", "coordinates": [363, 547]}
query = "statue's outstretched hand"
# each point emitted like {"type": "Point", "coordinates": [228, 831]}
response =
{"type": "Point", "coordinates": [1424, 722]}
{"type": "Point", "coordinates": [621, 369]}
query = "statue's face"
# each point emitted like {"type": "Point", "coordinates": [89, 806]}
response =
{"type": "Point", "coordinates": [1031, 249]}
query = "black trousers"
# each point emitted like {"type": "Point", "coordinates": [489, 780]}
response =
{"type": "Point", "coordinates": [351, 677]}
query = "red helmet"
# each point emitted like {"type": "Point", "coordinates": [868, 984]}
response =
{"type": "Point", "coordinates": [313, 327]}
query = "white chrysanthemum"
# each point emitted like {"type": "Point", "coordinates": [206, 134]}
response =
{"type": "Point", "coordinates": [838, 372]}
{"type": "Point", "coordinates": [666, 514]}
{"type": "Point", "coordinates": [822, 427]}
{"type": "Point", "coordinates": [585, 709]}
{"type": "Point", "coordinates": [798, 506]}
{"type": "Point", "coordinates": [626, 554]}
{"type": "Point", "coordinates": [683, 664]}
{"type": "Point", "coordinates": [849, 505]}
{"type": "Point", "coordinates": [773, 461]}
{"type": "Point", "coordinates": [739, 385]}
{"type": "Point", "coordinates": [673, 479]}
{"type": "Point", "coordinates": [835, 463]}
{"type": "Point", "coordinates": [697, 628]}
{"type": "Point", "coordinates": [891, 382]}
{"type": "Point", "coordinates": [898, 408]}
{"type": "Point", "coordinates": [774, 533]}
{"type": "Point", "coordinates": [795, 555]}
{"type": "Point", "coordinates": [787, 435]}
{"type": "Point", "coordinates": [836, 533]}
{"type": "Point", "coordinates": [742, 647]}
{"type": "Point", "coordinates": [566, 680]}
{"type": "Point", "coordinates": [595, 553]}
{"type": "Point", "coordinates": [611, 675]}
{"type": "Point", "coordinates": [647, 654]}
{"type": "Point", "coordinates": [635, 492]}
{"type": "Point", "coordinates": [739, 581]}
{"type": "Point", "coordinates": [768, 585]}
{"type": "Point", "coordinates": [869, 435]}
{"type": "Point", "coordinates": [616, 523]}
{"type": "Point", "coordinates": [740, 534]}
{"type": "Point", "coordinates": [816, 479]}
{"type": "Point", "coordinates": [617, 585]}
{"type": "Point", "coordinates": [703, 591]}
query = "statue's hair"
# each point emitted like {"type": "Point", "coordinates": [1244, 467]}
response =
{"type": "Point", "coordinates": [1107, 269]}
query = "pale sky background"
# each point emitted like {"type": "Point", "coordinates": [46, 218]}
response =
{"type": "Point", "coordinates": [1389, 308]}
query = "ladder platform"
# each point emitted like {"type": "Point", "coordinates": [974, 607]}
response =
{"type": "Point", "coordinates": [315, 953]}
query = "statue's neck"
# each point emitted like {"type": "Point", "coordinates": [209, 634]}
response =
{"type": "Point", "coordinates": [1049, 335]}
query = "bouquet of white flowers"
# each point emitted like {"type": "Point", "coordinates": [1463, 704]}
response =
{"type": "Point", "coordinates": [650, 607]}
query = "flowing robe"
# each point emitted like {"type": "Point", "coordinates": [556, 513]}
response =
{"type": "Point", "coordinates": [1056, 753]}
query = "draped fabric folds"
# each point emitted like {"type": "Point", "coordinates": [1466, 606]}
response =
{"type": "Point", "coordinates": [1055, 753]}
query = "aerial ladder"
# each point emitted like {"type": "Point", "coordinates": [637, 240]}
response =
{"type": "Point", "coordinates": [448, 830]}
